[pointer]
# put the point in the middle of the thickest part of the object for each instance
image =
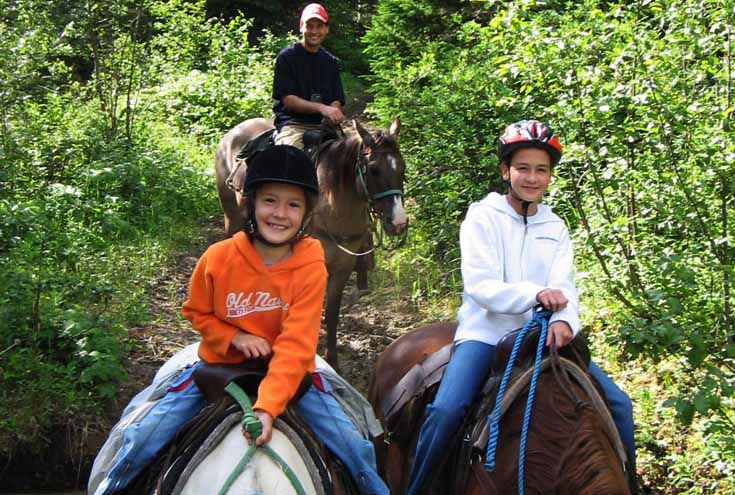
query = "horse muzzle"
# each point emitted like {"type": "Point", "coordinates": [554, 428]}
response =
{"type": "Point", "coordinates": [394, 228]}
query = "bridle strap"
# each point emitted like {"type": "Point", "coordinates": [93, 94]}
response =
{"type": "Point", "coordinates": [360, 168]}
{"type": "Point", "coordinates": [389, 192]}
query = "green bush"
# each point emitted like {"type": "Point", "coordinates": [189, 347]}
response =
{"type": "Point", "coordinates": [87, 221]}
{"type": "Point", "coordinates": [639, 95]}
{"type": "Point", "coordinates": [231, 83]}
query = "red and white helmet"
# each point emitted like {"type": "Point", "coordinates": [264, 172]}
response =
{"type": "Point", "coordinates": [529, 134]}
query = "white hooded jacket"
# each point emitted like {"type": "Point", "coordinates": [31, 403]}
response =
{"type": "Point", "coordinates": [505, 264]}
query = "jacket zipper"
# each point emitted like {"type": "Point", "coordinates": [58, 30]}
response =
{"type": "Point", "coordinates": [523, 250]}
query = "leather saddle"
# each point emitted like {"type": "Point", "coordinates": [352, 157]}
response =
{"type": "Point", "coordinates": [162, 475]}
{"type": "Point", "coordinates": [259, 143]}
{"type": "Point", "coordinates": [213, 378]}
{"type": "Point", "coordinates": [236, 180]}
{"type": "Point", "coordinates": [404, 404]}
{"type": "Point", "coordinates": [316, 141]}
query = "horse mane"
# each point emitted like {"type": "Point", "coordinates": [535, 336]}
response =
{"type": "Point", "coordinates": [558, 425]}
{"type": "Point", "coordinates": [587, 459]}
{"type": "Point", "coordinates": [337, 164]}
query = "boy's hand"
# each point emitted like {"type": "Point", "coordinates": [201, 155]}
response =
{"type": "Point", "coordinates": [560, 333]}
{"type": "Point", "coordinates": [251, 346]}
{"type": "Point", "coordinates": [552, 299]}
{"type": "Point", "coordinates": [266, 420]}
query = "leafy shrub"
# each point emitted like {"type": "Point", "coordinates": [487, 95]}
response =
{"type": "Point", "coordinates": [231, 83]}
{"type": "Point", "coordinates": [638, 93]}
{"type": "Point", "coordinates": [84, 229]}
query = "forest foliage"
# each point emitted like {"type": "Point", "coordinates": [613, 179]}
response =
{"type": "Point", "coordinates": [641, 94]}
{"type": "Point", "coordinates": [109, 112]}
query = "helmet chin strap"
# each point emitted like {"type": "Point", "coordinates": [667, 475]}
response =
{"type": "Point", "coordinates": [524, 204]}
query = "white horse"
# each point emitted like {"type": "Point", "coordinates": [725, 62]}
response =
{"type": "Point", "coordinates": [219, 466]}
{"type": "Point", "coordinates": [210, 468]}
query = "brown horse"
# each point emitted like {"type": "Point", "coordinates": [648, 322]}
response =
{"type": "Point", "coordinates": [569, 450]}
{"type": "Point", "coordinates": [360, 176]}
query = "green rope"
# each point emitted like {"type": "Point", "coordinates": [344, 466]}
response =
{"type": "Point", "coordinates": [252, 425]}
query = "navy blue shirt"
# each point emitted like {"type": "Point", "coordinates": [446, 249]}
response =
{"type": "Point", "coordinates": [311, 76]}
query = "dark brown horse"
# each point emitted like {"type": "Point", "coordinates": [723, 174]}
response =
{"type": "Point", "coordinates": [360, 177]}
{"type": "Point", "coordinates": [569, 449]}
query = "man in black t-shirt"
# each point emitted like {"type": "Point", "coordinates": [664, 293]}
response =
{"type": "Point", "coordinates": [306, 86]}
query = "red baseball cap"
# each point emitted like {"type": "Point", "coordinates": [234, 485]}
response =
{"type": "Point", "coordinates": [314, 11]}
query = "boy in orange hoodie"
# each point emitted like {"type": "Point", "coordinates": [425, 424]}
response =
{"type": "Point", "coordinates": [259, 294]}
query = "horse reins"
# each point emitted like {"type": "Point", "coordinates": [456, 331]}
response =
{"type": "Point", "coordinates": [251, 424]}
{"type": "Point", "coordinates": [541, 318]}
{"type": "Point", "coordinates": [562, 375]}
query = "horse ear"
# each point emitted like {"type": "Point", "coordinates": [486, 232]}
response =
{"type": "Point", "coordinates": [395, 127]}
{"type": "Point", "coordinates": [365, 136]}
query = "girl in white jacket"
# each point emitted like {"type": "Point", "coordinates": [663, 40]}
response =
{"type": "Point", "coordinates": [516, 254]}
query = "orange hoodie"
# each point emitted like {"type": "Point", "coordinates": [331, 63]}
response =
{"type": "Point", "coordinates": [231, 291]}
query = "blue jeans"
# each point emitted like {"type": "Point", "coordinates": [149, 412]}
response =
{"type": "Point", "coordinates": [463, 377]}
{"type": "Point", "coordinates": [326, 418]}
{"type": "Point", "coordinates": [621, 409]}
{"type": "Point", "coordinates": [465, 374]}
{"type": "Point", "coordinates": [142, 440]}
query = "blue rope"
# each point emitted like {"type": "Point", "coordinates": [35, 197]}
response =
{"type": "Point", "coordinates": [529, 401]}
{"type": "Point", "coordinates": [540, 317]}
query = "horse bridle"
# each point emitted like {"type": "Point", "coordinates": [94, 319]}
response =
{"type": "Point", "coordinates": [361, 165]}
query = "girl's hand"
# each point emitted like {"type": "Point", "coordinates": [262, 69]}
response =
{"type": "Point", "coordinates": [251, 346]}
{"type": "Point", "coordinates": [560, 334]}
{"type": "Point", "coordinates": [266, 420]}
{"type": "Point", "coordinates": [552, 299]}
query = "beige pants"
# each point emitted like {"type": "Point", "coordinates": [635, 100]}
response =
{"type": "Point", "coordinates": [293, 134]}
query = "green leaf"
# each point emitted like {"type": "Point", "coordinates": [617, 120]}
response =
{"type": "Point", "coordinates": [701, 402]}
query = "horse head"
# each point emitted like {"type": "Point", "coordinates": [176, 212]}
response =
{"type": "Point", "coordinates": [381, 173]}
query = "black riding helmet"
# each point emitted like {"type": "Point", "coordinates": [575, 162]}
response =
{"type": "Point", "coordinates": [282, 163]}
{"type": "Point", "coordinates": [285, 164]}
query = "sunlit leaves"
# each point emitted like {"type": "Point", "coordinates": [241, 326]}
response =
{"type": "Point", "coordinates": [641, 95]}
{"type": "Point", "coordinates": [86, 218]}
